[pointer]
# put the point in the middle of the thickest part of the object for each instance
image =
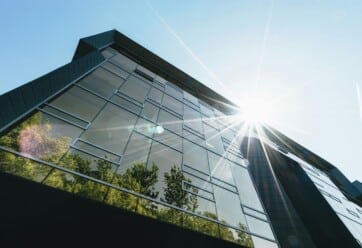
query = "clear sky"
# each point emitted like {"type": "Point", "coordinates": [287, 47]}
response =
{"type": "Point", "coordinates": [304, 56]}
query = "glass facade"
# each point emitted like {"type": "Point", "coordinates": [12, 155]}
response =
{"type": "Point", "coordinates": [125, 136]}
{"type": "Point", "coordinates": [349, 212]}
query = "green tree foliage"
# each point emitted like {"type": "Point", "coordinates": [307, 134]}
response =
{"type": "Point", "coordinates": [35, 140]}
{"type": "Point", "coordinates": [11, 139]}
{"type": "Point", "coordinates": [138, 179]}
{"type": "Point", "coordinates": [141, 179]}
{"type": "Point", "coordinates": [174, 194]}
{"type": "Point", "coordinates": [22, 167]}
{"type": "Point", "coordinates": [34, 137]}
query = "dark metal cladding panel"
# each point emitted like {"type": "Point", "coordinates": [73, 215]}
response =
{"type": "Point", "coordinates": [37, 86]}
{"type": "Point", "coordinates": [94, 42]}
{"type": "Point", "coordinates": [46, 87]}
{"type": "Point", "coordinates": [2, 121]}
{"type": "Point", "coordinates": [28, 95]}
{"type": "Point", "coordinates": [7, 111]}
{"type": "Point", "coordinates": [17, 101]}
{"type": "Point", "coordinates": [100, 40]}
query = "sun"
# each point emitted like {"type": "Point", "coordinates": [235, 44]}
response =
{"type": "Point", "coordinates": [257, 109]}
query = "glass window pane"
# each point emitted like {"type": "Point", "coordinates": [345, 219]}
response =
{"type": "Point", "coordinates": [123, 62]}
{"type": "Point", "coordinates": [54, 111]}
{"type": "Point", "coordinates": [41, 136]}
{"type": "Point", "coordinates": [120, 100]}
{"type": "Point", "coordinates": [160, 80]}
{"type": "Point", "coordinates": [22, 167]}
{"type": "Point", "coordinates": [206, 110]}
{"type": "Point", "coordinates": [172, 104]}
{"type": "Point", "coordinates": [148, 74]}
{"type": "Point", "coordinates": [259, 227]}
{"type": "Point", "coordinates": [166, 158]}
{"type": "Point", "coordinates": [218, 113]}
{"type": "Point", "coordinates": [220, 168]}
{"type": "Point", "coordinates": [191, 98]}
{"type": "Point", "coordinates": [88, 165]}
{"type": "Point", "coordinates": [169, 139]}
{"type": "Point", "coordinates": [192, 171]}
{"type": "Point", "coordinates": [170, 122]}
{"type": "Point", "coordinates": [135, 88]}
{"type": "Point", "coordinates": [228, 208]}
{"type": "Point", "coordinates": [79, 102]}
{"type": "Point", "coordinates": [203, 206]}
{"type": "Point", "coordinates": [145, 127]}
{"type": "Point", "coordinates": [159, 85]}
{"type": "Point", "coordinates": [193, 137]}
{"type": "Point", "coordinates": [235, 236]}
{"type": "Point", "coordinates": [196, 191]}
{"type": "Point", "coordinates": [234, 158]}
{"type": "Point", "coordinates": [76, 185]}
{"type": "Point", "coordinates": [174, 91]}
{"type": "Point", "coordinates": [247, 192]}
{"type": "Point", "coordinates": [255, 213]}
{"type": "Point", "coordinates": [155, 95]}
{"type": "Point", "coordinates": [136, 152]}
{"type": "Point", "coordinates": [116, 70]}
{"type": "Point", "coordinates": [195, 157]}
{"type": "Point", "coordinates": [201, 183]}
{"type": "Point", "coordinates": [79, 144]}
{"type": "Point", "coordinates": [192, 119]}
{"type": "Point", "coordinates": [111, 129]}
{"type": "Point", "coordinates": [213, 139]}
{"type": "Point", "coordinates": [102, 82]}
{"type": "Point", "coordinates": [262, 243]}
{"type": "Point", "coordinates": [150, 111]}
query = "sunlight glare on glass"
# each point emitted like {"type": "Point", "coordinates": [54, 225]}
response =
{"type": "Point", "coordinates": [257, 109]}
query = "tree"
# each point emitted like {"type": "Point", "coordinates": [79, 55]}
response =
{"type": "Point", "coordinates": [141, 180]}
{"type": "Point", "coordinates": [174, 194]}
{"type": "Point", "coordinates": [35, 140]}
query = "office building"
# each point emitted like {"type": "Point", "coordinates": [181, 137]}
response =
{"type": "Point", "coordinates": [120, 144]}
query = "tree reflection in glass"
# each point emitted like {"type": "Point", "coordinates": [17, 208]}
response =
{"type": "Point", "coordinates": [46, 138]}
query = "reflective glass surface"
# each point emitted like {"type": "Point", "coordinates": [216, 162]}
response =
{"type": "Point", "coordinates": [123, 62]}
{"type": "Point", "coordinates": [79, 103]}
{"type": "Point", "coordinates": [259, 227]}
{"type": "Point", "coordinates": [111, 129]}
{"type": "Point", "coordinates": [172, 104]}
{"type": "Point", "coordinates": [135, 88]}
{"type": "Point", "coordinates": [192, 119]}
{"type": "Point", "coordinates": [155, 95]}
{"type": "Point", "coordinates": [229, 209]}
{"type": "Point", "coordinates": [168, 162]}
{"type": "Point", "coordinates": [170, 121]}
{"type": "Point", "coordinates": [102, 82]}
{"type": "Point", "coordinates": [125, 136]}
{"type": "Point", "coordinates": [247, 192]}
{"type": "Point", "coordinates": [195, 156]}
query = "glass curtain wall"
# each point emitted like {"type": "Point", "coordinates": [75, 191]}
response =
{"type": "Point", "coordinates": [125, 136]}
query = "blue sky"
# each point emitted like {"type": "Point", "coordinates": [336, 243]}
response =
{"type": "Point", "coordinates": [304, 55]}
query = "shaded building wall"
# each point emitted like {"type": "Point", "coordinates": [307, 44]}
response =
{"type": "Point", "coordinates": [294, 204]}
{"type": "Point", "coordinates": [285, 220]}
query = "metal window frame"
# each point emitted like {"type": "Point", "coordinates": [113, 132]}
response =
{"type": "Point", "coordinates": [184, 188]}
